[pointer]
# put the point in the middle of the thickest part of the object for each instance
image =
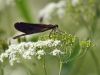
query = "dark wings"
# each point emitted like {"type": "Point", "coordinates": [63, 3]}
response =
{"type": "Point", "coordinates": [28, 28]}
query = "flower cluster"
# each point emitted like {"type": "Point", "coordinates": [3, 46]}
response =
{"type": "Point", "coordinates": [27, 50]}
{"type": "Point", "coordinates": [56, 52]}
{"type": "Point", "coordinates": [62, 46]}
{"type": "Point", "coordinates": [58, 8]}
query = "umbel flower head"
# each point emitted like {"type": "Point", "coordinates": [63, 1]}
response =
{"type": "Point", "coordinates": [55, 9]}
{"type": "Point", "coordinates": [51, 8]}
{"type": "Point", "coordinates": [27, 50]}
{"type": "Point", "coordinates": [63, 46]}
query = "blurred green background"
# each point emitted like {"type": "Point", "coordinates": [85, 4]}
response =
{"type": "Point", "coordinates": [81, 20]}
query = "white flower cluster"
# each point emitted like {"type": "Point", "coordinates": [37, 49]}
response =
{"type": "Point", "coordinates": [4, 3]}
{"type": "Point", "coordinates": [56, 52]}
{"type": "Point", "coordinates": [58, 8]}
{"type": "Point", "coordinates": [46, 12]}
{"type": "Point", "coordinates": [26, 50]}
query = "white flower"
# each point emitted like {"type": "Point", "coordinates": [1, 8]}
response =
{"type": "Point", "coordinates": [2, 56]}
{"type": "Point", "coordinates": [56, 52]}
{"type": "Point", "coordinates": [40, 53]}
{"type": "Point", "coordinates": [61, 5]}
{"type": "Point", "coordinates": [27, 50]}
{"type": "Point", "coordinates": [47, 11]}
{"type": "Point", "coordinates": [12, 59]}
{"type": "Point", "coordinates": [58, 8]}
{"type": "Point", "coordinates": [28, 54]}
{"type": "Point", "coordinates": [55, 43]}
{"type": "Point", "coordinates": [48, 43]}
{"type": "Point", "coordinates": [75, 2]}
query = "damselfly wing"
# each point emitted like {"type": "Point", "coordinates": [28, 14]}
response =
{"type": "Point", "coordinates": [29, 28]}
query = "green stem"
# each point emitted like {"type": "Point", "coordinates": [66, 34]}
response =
{"type": "Point", "coordinates": [92, 31]}
{"type": "Point", "coordinates": [91, 35]}
{"type": "Point", "coordinates": [60, 67]}
{"type": "Point", "coordinates": [94, 55]}
{"type": "Point", "coordinates": [2, 71]}
{"type": "Point", "coordinates": [44, 66]}
{"type": "Point", "coordinates": [96, 61]}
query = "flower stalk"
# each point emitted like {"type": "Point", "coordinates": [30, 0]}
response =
{"type": "Point", "coordinates": [60, 67]}
{"type": "Point", "coordinates": [44, 66]}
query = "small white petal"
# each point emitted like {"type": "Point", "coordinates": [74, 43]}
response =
{"type": "Point", "coordinates": [40, 52]}
{"type": "Point", "coordinates": [56, 52]}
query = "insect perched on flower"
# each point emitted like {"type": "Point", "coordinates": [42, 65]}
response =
{"type": "Point", "coordinates": [29, 28]}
